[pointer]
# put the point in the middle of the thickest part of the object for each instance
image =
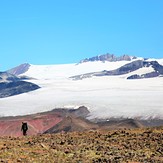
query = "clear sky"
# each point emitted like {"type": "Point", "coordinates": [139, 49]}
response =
{"type": "Point", "coordinates": [66, 31]}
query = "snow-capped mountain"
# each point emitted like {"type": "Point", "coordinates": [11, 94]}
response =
{"type": "Point", "coordinates": [99, 63]}
{"type": "Point", "coordinates": [106, 89]}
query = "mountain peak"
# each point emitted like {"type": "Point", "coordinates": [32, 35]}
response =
{"type": "Point", "coordinates": [19, 69]}
{"type": "Point", "coordinates": [109, 57]}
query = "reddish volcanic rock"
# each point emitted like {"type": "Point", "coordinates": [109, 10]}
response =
{"type": "Point", "coordinates": [38, 123]}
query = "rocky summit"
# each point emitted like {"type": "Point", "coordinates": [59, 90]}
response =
{"type": "Point", "coordinates": [108, 57]}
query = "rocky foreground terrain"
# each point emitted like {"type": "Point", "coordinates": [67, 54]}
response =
{"type": "Point", "coordinates": [128, 145]}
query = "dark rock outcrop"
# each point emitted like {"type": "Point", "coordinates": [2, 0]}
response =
{"type": "Point", "coordinates": [135, 76]}
{"type": "Point", "coordinates": [15, 88]}
{"type": "Point", "coordinates": [158, 70]}
{"type": "Point", "coordinates": [148, 75]}
{"type": "Point", "coordinates": [82, 111]}
{"type": "Point", "coordinates": [69, 124]}
{"type": "Point", "coordinates": [12, 85]}
{"type": "Point", "coordinates": [120, 123]}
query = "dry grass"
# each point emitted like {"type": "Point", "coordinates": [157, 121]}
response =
{"type": "Point", "coordinates": [137, 145]}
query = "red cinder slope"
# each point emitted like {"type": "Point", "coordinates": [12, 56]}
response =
{"type": "Point", "coordinates": [38, 123]}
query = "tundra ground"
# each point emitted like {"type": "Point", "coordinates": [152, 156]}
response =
{"type": "Point", "coordinates": [130, 145]}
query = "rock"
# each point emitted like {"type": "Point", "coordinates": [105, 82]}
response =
{"type": "Point", "coordinates": [108, 57]}
{"type": "Point", "coordinates": [19, 69]}
{"type": "Point", "coordinates": [14, 88]}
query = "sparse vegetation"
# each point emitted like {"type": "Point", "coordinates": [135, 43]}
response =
{"type": "Point", "coordinates": [130, 145]}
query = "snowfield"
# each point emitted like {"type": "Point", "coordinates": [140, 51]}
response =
{"type": "Point", "coordinates": [105, 97]}
{"type": "Point", "coordinates": [68, 70]}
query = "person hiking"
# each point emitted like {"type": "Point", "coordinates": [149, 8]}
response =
{"type": "Point", "coordinates": [24, 128]}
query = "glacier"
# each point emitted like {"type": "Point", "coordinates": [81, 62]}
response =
{"type": "Point", "coordinates": [105, 97]}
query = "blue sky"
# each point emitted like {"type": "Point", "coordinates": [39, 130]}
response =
{"type": "Point", "coordinates": [66, 31]}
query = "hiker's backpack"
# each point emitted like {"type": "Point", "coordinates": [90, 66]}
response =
{"type": "Point", "coordinates": [25, 127]}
